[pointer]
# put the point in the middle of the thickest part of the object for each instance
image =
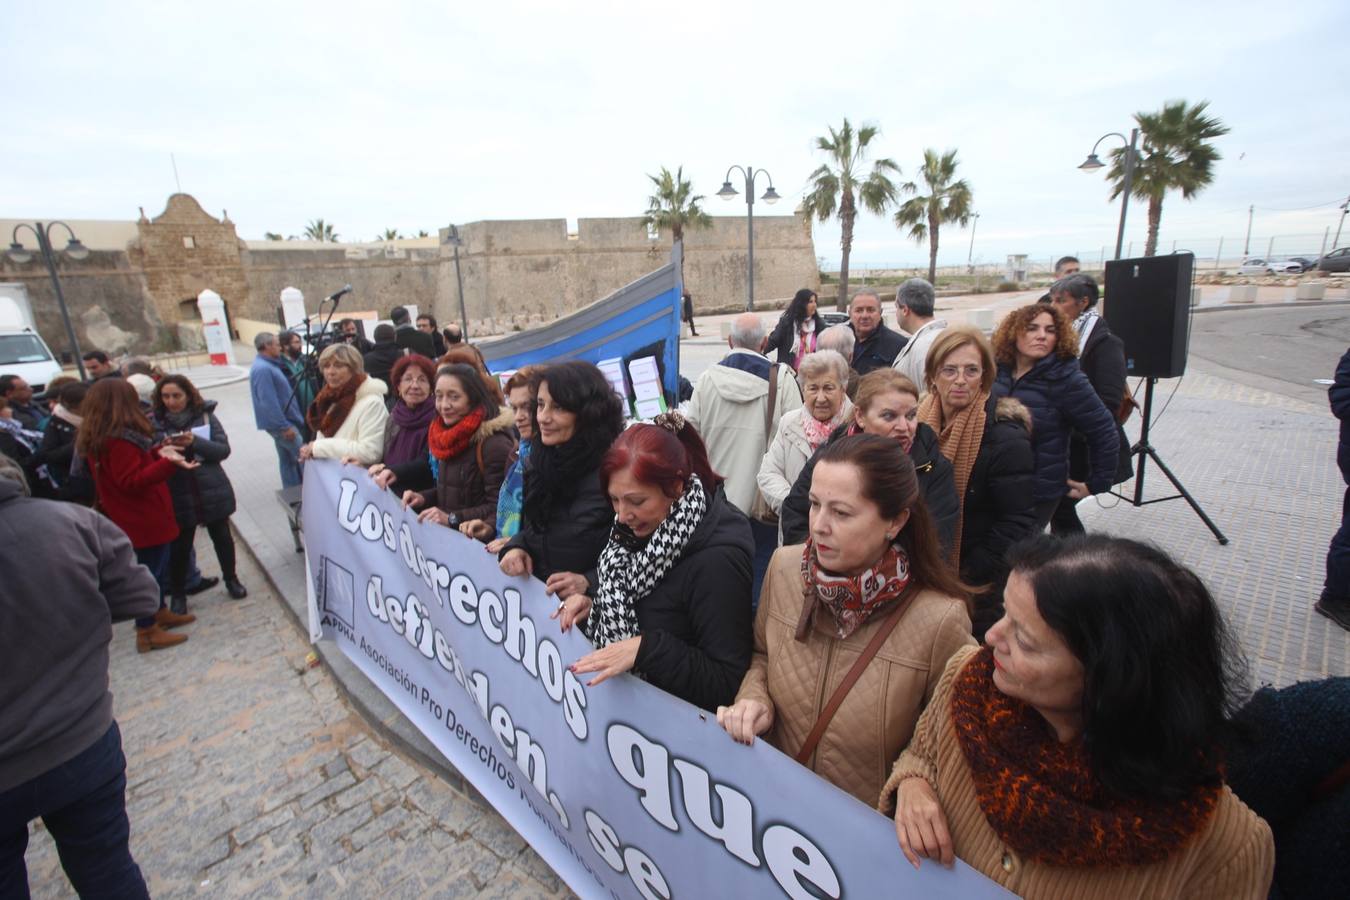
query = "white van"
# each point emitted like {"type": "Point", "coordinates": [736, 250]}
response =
{"type": "Point", "coordinates": [23, 352]}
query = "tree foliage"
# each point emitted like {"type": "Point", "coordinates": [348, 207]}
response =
{"type": "Point", "coordinates": [1175, 155]}
{"type": "Point", "coordinates": [843, 182]}
{"type": "Point", "coordinates": [947, 200]}
{"type": "Point", "coordinates": [319, 230]}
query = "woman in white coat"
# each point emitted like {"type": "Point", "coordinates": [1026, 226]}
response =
{"type": "Point", "coordinates": [823, 376]}
{"type": "Point", "coordinates": [348, 416]}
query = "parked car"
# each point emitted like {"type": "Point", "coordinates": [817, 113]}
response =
{"type": "Point", "coordinates": [1259, 266]}
{"type": "Point", "coordinates": [1335, 261]}
{"type": "Point", "coordinates": [1305, 263]}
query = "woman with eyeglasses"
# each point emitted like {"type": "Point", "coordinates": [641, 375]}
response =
{"type": "Point", "coordinates": [988, 442]}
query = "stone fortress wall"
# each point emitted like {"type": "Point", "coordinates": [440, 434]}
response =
{"type": "Point", "coordinates": [140, 297]}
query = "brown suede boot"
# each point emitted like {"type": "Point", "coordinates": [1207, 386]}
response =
{"type": "Point", "coordinates": [156, 638]}
{"type": "Point", "coordinates": [166, 618]}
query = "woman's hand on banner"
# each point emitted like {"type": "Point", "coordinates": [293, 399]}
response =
{"type": "Point", "coordinates": [517, 562]}
{"type": "Point", "coordinates": [565, 584]}
{"type": "Point", "coordinates": [476, 529]}
{"type": "Point", "coordinates": [920, 823]}
{"type": "Point", "coordinates": [382, 475]}
{"type": "Point", "coordinates": [413, 500]}
{"type": "Point", "coordinates": [572, 610]}
{"type": "Point", "coordinates": [495, 545]}
{"type": "Point", "coordinates": [435, 515]}
{"type": "Point", "coordinates": [745, 720]}
{"type": "Point", "coordinates": [615, 659]}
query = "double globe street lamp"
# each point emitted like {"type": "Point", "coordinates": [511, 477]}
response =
{"type": "Point", "coordinates": [1092, 164]}
{"type": "Point", "coordinates": [74, 249]}
{"type": "Point", "coordinates": [771, 197]}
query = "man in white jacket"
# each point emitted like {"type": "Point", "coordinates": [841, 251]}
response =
{"type": "Point", "coordinates": [914, 303]}
{"type": "Point", "coordinates": [728, 408]}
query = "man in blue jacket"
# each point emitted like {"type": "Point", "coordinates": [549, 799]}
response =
{"type": "Point", "coordinates": [275, 407]}
{"type": "Point", "coordinates": [1335, 600]}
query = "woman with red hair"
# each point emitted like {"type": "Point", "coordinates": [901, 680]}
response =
{"type": "Point", "coordinates": [673, 602]}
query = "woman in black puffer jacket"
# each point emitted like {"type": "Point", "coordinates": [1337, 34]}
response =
{"type": "Point", "coordinates": [988, 441]}
{"type": "Point", "coordinates": [1036, 351]}
{"type": "Point", "coordinates": [201, 496]}
{"type": "Point", "coordinates": [566, 515]}
{"type": "Point", "coordinates": [673, 602]}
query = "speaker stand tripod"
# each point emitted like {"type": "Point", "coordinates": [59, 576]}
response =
{"type": "Point", "coordinates": [1146, 451]}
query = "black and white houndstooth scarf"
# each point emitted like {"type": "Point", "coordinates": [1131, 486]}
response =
{"type": "Point", "coordinates": [629, 572]}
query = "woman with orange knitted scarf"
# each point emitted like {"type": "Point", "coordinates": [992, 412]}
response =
{"type": "Point", "coordinates": [1077, 754]}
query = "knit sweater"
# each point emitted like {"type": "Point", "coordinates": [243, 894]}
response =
{"type": "Point", "coordinates": [1233, 856]}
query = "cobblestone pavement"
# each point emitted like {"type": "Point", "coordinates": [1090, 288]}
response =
{"type": "Point", "coordinates": [1263, 466]}
{"type": "Point", "coordinates": [249, 776]}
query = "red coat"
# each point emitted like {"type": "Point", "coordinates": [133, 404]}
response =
{"type": "Point", "coordinates": [133, 491]}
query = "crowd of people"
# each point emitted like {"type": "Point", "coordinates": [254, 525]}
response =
{"type": "Point", "coordinates": [836, 545]}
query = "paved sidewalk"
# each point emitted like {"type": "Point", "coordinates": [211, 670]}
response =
{"type": "Point", "coordinates": [248, 775]}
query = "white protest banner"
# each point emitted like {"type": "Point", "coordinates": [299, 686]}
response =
{"type": "Point", "coordinates": [624, 790]}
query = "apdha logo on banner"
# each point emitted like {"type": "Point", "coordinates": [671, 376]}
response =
{"type": "Point", "coordinates": [621, 788]}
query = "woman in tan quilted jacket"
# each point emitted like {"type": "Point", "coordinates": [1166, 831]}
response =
{"type": "Point", "coordinates": [1078, 754]}
{"type": "Point", "coordinates": [870, 583]}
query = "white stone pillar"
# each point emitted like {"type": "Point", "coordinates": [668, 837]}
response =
{"type": "Point", "coordinates": [292, 308]}
{"type": "Point", "coordinates": [215, 328]}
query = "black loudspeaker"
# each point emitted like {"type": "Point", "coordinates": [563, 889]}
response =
{"type": "Point", "coordinates": [1148, 304]}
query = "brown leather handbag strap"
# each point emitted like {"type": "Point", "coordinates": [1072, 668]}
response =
{"type": "Point", "coordinates": [837, 698]}
{"type": "Point", "coordinates": [773, 401]}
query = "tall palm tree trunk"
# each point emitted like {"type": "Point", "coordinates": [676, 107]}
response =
{"type": "Point", "coordinates": [932, 249]}
{"type": "Point", "coordinates": [845, 248]}
{"type": "Point", "coordinates": [1154, 220]}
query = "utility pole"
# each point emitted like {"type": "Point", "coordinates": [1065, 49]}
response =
{"type": "Point", "coordinates": [973, 225]}
{"type": "Point", "coordinates": [1247, 244]}
{"type": "Point", "coordinates": [1345, 207]}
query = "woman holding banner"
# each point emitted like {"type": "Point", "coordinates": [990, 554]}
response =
{"type": "Point", "coordinates": [348, 415]}
{"type": "Point", "coordinates": [855, 627]}
{"type": "Point", "coordinates": [566, 518]}
{"type": "Point", "coordinates": [1078, 754]}
{"type": "Point", "coordinates": [469, 443]}
{"type": "Point", "coordinates": [405, 434]}
{"type": "Point", "coordinates": [520, 398]}
{"type": "Point", "coordinates": [673, 604]}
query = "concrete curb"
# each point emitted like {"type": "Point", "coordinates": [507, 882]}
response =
{"type": "Point", "coordinates": [1284, 304]}
{"type": "Point", "coordinates": [376, 709]}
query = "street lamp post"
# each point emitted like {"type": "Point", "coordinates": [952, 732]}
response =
{"type": "Point", "coordinates": [1092, 164]}
{"type": "Point", "coordinates": [74, 249]}
{"type": "Point", "coordinates": [770, 196]}
{"type": "Point", "coordinates": [453, 239]}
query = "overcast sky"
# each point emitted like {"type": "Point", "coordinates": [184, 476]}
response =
{"type": "Point", "coordinates": [414, 115]}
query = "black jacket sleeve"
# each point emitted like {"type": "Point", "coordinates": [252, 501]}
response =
{"type": "Point", "coordinates": [1009, 489]}
{"type": "Point", "coordinates": [413, 476]}
{"type": "Point", "coordinates": [217, 447]}
{"type": "Point", "coordinates": [938, 485]}
{"type": "Point", "coordinates": [707, 672]}
{"type": "Point", "coordinates": [1084, 410]}
{"type": "Point", "coordinates": [1108, 372]}
{"type": "Point", "coordinates": [795, 514]}
{"type": "Point", "coordinates": [1339, 392]}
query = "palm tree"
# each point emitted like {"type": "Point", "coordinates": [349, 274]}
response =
{"type": "Point", "coordinates": [840, 185]}
{"type": "Point", "coordinates": [947, 201]}
{"type": "Point", "coordinates": [389, 234]}
{"type": "Point", "coordinates": [319, 230]}
{"type": "Point", "coordinates": [422, 232]}
{"type": "Point", "coordinates": [1176, 155]}
{"type": "Point", "coordinates": [271, 236]}
{"type": "Point", "coordinates": [674, 207]}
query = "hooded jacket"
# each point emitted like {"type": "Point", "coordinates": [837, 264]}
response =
{"type": "Point", "coordinates": [361, 434]}
{"type": "Point", "coordinates": [132, 489]}
{"type": "Point", "coordinates": [69, 574]}
{"type": "Point", "coordinates": [695, 625]}
{"type": "Point", "coordinates": [936, 483]}
{"type": "Point", "coordinates": [1060, 399]}
{"type": "Point", "coordinates": [728, 409]}
{"type": "Point", "coordinates": [788, 452]}
{"type": "Point", "coordinates": [462, 487]}
{"type": "Point", "coordinates": [276, 404]}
